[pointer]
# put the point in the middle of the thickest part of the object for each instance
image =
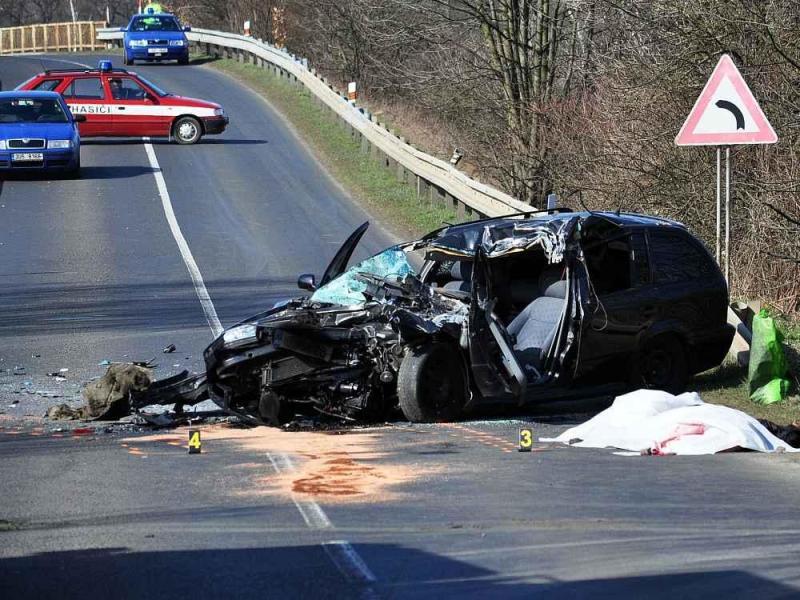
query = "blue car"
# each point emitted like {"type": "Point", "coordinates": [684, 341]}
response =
{"type": "Point", "coordinates": [38, 133]}
{"type": "Point", "coordinates": [155, 37]}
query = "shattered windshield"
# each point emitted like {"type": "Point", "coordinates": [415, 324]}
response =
{"type": "Point", "coordinates": [347, 290]}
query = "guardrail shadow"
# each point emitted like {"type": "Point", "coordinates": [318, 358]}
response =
{"type": "Point", "coordinates": [305, 571]}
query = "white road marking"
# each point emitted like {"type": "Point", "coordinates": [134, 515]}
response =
{"type": "Point", "coordinates": [343, 555]}
{"type": "Point", "coordinates": [341, 552]}
{"type": "Point", "coordinates": [186, 253]}
{"type": "Point", "coordinates": [349, 563]}
{"type": "Point", "coordinates": [311, 512]}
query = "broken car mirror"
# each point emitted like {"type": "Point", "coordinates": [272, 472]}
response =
{"type": "Point", "coordinates": [306, 281]}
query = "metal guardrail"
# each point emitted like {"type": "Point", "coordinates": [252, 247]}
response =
{"type": "Point", "coordinates": [435, 179]}
{"type": "Point", "coordinates": [51, 37]}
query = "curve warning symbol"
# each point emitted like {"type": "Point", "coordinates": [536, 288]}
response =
{"type": "Point", "coordinates": [737, 114]}
{"type": "Point", "coordinates": [726, 113]}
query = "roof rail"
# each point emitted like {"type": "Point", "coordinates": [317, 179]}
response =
{"type": "Point", "coordinates": [114, 70]}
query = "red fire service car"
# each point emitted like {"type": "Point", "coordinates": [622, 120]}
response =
{"type": "Point", "coordinates": [121, 103]}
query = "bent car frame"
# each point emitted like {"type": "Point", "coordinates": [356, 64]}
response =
{"type": "Point", "coordinates": [514, 310]}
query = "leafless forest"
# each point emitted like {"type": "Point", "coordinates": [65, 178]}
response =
{"type": "Point", "coordinates": [580, 97]}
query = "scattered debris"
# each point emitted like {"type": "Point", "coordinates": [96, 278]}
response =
{"type": "Point", "coordinates": [109, 396]}
{"type": "Point", "coordinates": [64, 412]}
{"type": "Point", "coordinates": [146, 364]}
{"type": "Point", "coordinates": [104, 363]}
{"type": "Point", "coordinates": [169, 349]}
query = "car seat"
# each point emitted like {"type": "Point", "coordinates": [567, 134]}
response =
{"type": "Point", "coordinates": [535, 327]}
{"type": "Point", "coordinates": [460, 277]}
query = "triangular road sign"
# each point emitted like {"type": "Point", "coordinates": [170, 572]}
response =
{"type": "Point", "coordinates": [726, 113]}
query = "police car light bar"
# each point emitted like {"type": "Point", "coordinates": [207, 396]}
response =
{"type": "Point", "coordinates": [105, 65]}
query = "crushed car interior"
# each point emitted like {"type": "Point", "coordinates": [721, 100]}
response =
{"type": "Point", "coordinates": [507, 311]}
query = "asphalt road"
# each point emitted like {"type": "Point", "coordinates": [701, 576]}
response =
{"type": "Point", "coordinates": [90, 270]}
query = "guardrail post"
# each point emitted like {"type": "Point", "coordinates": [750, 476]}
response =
{"type": "Point", "coordinates": [401, 172]}
{"type": "Point", "coordinates": [422, 188]}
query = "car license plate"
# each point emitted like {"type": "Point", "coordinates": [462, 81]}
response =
{"type": "Point", "coordinates": [23, 156]}
{"type": "Point", "coordinates": [156, 51]}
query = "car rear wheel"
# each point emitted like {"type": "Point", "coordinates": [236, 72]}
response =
{"type": "Point", "coordinates": [187, 130]}
{"type": "Point", "coordinates": [662, 365]}
{"type": "Point", "coordinates": [431, 385]}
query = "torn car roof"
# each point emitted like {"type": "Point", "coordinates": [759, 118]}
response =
{"type": "Point", "coordinates": [504, 235]}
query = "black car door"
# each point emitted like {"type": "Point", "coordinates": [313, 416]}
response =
{"type": "Point", "coordinates": [621, 302]}
{"type": "Point", "coordinates": [495, 370]}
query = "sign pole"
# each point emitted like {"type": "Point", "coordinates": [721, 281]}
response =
{"type": "Point", "coordinates": [728, 215]}
{"type": "Point", "coordinates": [719, 203]}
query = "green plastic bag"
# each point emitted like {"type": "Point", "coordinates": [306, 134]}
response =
{"type": "Point", "coordinates": [768, 368]}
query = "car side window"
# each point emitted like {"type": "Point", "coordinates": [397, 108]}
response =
{"type": "Point", "coordinates": [609, 264]}
{"type": "Point", "coordinates": [123, 88]}
{"type": "Point", "coordinates": [47, 85]}
{"type": "Point", "coordinates": [85, 88]}
{"type": "Point", "coordinates": [678, 258]}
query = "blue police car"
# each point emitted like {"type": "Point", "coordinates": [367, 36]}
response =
{"type": "Point", "coordinates": [155, 37]}
{"type": "Point", "coordinates": [38, 132]}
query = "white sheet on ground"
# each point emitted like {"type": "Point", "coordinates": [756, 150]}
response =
{"type": "Point", "coordinates": [667, 424]}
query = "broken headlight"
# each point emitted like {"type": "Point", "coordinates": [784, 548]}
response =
{"type": "Point", "coordinates": [241, 334]}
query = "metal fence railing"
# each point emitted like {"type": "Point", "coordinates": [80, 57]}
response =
{"type": "Point", "coordinates": [51, 37]}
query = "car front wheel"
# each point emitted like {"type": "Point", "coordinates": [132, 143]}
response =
{"type": "Point", "coordinates": [127, 60]}
{"type": "Point", "coordinates": [75, 172]}
{"type": "Point", "coordinates": [187, 130]}
{"type": "Point", "coordinates": [431, 385]}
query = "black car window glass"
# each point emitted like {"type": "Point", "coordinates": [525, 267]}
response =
{"type": "Point", "coordinates": [47, 85]}
{"type": "Point", "coordinates": [31, 110]}
{"type": "Point", "coordinates": [123, 88]}
{"type": "Point", "coordinates": [677, 258]}
{"type": "Point", "coordinates": [609, 264]}
{"type": "Point", "coordinates": [155, 24]}
{"type": "Point", "coordinates": [85, 88]}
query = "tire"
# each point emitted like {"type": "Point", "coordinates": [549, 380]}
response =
{"type": "Point", "coordinates": [187, 130]}
{"type": "Point", "coordinates": [183, 61]}
{"type": "Point", "coordinates": [127, 61]}
{"type": "Point", "coordinates": [275, 410]}
{"type": "Point", "coordinates": [431, 385]}
{"type": "Point", "coordinates": [661, 365]}
{"type": "Point", "coordinates": [75, 172]}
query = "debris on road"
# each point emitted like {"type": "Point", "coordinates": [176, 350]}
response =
{"type": "Point", "coordinates": [658, 423]}
{"type": "Point", "coordinates": [169, 349]}
{"type": "Point", "coordinates": [127, 387]}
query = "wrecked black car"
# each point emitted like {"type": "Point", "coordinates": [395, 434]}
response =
{"type": "Point", "coordinates": [512, 310]}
